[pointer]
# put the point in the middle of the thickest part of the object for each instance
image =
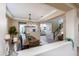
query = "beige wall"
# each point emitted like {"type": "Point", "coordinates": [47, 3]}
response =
{"type": "Point", "coordinates": [12, 22]}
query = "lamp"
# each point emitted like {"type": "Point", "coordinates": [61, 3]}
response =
{"type": "Point", "coordinates": [7, 40]}
{"type": "Point", "coordinates": [7, 37]}
{"type": "Point", "coordinates": [10, 48]}
{"type": "Point", "coordinates": [15, 39]}
{"type": "Point", "coordinates": [62, 32]}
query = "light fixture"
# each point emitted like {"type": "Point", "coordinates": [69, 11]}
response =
{"type": "Point", "coordinates": [29, 16]}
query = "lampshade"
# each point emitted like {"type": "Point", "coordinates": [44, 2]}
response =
{"type": "Point", "coordinates": [15, 39]}
{"type": "Point", "coordinates": [7, 36]}
{"type": "Point", "coordinates": [61, 32]}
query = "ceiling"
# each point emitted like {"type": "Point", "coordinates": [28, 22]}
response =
{"type": "Point", "coordinates": [76, 4]}
{"type": "Point", "coordinates": [61, 6]}
{"type": "Point", "coordinates": [38, 11]}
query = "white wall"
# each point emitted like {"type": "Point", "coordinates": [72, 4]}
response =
{"type": "Point", "coordinates": [71, 27]}
{"type": "Point", "coordinates": [3, 27]}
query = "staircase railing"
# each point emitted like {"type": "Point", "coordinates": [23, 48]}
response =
{"type": "Point", "coordinates": [56, 32]}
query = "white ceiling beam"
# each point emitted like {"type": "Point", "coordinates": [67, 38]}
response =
{"type": "Point", "coordinates": [63, 6]}
{"type": "Point", "coordinates": [8, 12]}
{"type": "Point", "coordinates": [71, 5]}
{"type": "Point", "coordinates": [47, 15]}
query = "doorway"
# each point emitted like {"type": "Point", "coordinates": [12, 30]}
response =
{"type": "Point", "coordinates": [22, 34]}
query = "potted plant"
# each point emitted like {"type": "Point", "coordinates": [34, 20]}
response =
{"type": "Point", "coordinates": [69, 39]}
{"type": "Point", "coordinates": [12, 32]}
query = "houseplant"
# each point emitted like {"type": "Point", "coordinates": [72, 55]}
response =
{"type": "Point", "coordinates": [12, 31]}
{"type": "Point", "coordinates": [69, 39]}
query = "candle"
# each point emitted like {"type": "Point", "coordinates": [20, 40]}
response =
{"type": "Point", "coordinates": [7, 37]}
{"type": "Point", "coordinates": [15, 39]}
